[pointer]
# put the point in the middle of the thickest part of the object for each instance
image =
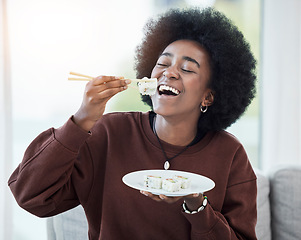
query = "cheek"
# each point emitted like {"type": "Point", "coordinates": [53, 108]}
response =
{"type": "Point", "coordinates": [194, 85]}
{"type": "Point", "coordinates": [195, 90]}
{"type": "Point", "coordinates": [155, 72]}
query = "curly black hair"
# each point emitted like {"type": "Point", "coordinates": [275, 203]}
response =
{"type": "Point", "coordinates": [233, 66]}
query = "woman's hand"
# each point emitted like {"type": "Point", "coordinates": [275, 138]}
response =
{"type": "Point", "coordinates": [193, 201]}
{"type": "Point", "coordinates": [97, 93]}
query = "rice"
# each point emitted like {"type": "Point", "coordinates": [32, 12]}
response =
{"type": "Point", "coordinates": [171, 185]}
{"type": "Point", "coordinates": [153, 181]}
{"type": "Point", "coordinates": [185, 182]}
{"type": "Point", "coordinates": [148, 88]}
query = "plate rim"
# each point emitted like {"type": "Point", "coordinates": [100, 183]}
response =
{"type": "Point", "coordinates": [172, 194]}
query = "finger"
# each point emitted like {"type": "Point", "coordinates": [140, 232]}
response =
{"type": "Point", "coordinates": [169, 199]}
{"type": "Point", "coordinates": [105, 79]}
{"type": "Point", "coordinates": [175, 199]}
{"type": "Point", "coordinates": [100, 80]}
{"type": "Point", "coordinates": [193, 195]}
{"type": "Point", "coordinates": [110, 92]}
{"type": "Point", "coordinates": [113, 84]}
{"type": "Point", "coordinates": [144, 193]}
{"type": "Point", "coordinates": [152, 196]}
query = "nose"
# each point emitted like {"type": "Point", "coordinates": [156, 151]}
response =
{"type": "Point", "coordinates": [171, 73]}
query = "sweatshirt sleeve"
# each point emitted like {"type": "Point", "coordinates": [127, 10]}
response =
{"type": "Point", "coordinates": [237, 218]}
{"type": "Point", "coordinates": [44, 181]}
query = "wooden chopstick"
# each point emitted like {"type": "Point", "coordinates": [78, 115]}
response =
{"type": "Point", "coordinates": [80, 75]}
{"type": "Point", "coordinates": [80, 79]}
{"type": "Point", "coordinates": [88, 78]}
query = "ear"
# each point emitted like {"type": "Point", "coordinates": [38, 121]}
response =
{"type": "Point", "coordinates": [209, 98]}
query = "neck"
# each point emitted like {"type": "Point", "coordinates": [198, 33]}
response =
{"type": "Point", "coordinates": [177, 132]}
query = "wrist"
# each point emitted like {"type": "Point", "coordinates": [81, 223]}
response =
{"type": "Point", "coordinates": [193, 202]}
{"type": "Point", "coordinates": [194, 210]}
{"type": "Point", "coordinates": [83, 123]}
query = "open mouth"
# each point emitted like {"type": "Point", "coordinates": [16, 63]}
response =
{"type": "Point", "coordinates": [168, 90]}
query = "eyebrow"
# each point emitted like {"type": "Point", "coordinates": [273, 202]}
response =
{"type": "Point", "coordinates": [186, 58]}
{"type": "Point", "coordinates": [191, 60]}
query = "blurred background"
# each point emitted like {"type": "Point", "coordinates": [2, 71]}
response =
{"type": "Point", "coordinates": [42, 41]}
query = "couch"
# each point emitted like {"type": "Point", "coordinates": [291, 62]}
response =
{"type": "Point", "coordinates": [278, 209]}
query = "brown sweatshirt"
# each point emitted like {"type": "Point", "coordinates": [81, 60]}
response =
{"type": "Point", "coordinates": [65, 167]}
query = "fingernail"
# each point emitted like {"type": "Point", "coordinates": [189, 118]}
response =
{"type": "Point", "coordinates": [127, 81]}
{"type": "Point", "coordinates": [161, 196]}
{"type": "Point", "coordinates": [196, 194]}
{"type": "Point", "coordinates": [144, 193]}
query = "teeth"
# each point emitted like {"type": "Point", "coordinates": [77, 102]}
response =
{"type": "Point", "coordinates": [168, 88]}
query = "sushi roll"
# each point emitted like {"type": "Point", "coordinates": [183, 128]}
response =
{"type": "Point", "coordinates": [185, 182]}
{"type": "Point", "coordinates": [171, 185]}
{"type": "Point", "coordinates": [149, 87]}
{"type": "Point", "coordinates": [153, 181]}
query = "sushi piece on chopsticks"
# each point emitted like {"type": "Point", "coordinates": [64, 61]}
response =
{"type": "Point", "coordinates": [146, 86]}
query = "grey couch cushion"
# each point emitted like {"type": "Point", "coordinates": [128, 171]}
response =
{"type": "Point", "coordinates": [263, 227]}
{"type": "Point", "coordinates": [286, 203]}
{"type": "Point", "coordinates": [70, 225]}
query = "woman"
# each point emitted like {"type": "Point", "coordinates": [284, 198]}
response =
{"type": "Point", "coordinates": [206, 79]}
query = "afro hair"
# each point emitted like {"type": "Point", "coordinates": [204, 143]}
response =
{"type": "Point", "coordinates": [233, 65]}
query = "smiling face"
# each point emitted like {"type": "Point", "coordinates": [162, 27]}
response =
{"type": "Point", "coordinates": [183, 73]}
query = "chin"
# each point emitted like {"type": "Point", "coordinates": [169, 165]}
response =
{"type": "Point", "coordinates": [165, 111]}
{"type": "Point", "coordinates": [165, 108]}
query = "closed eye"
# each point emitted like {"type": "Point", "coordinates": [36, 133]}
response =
{"type": "Point", "coordinates": [186, 70]}
{"type": "Point", "coordinates": [162, 64]}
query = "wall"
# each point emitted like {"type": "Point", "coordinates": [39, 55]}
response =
{"type": "Point", "coordinates": [281, 83]}
{"type": "Point", "coordinates": [5, 128]}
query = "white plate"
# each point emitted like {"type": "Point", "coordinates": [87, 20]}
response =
{"type": "Point", "coordinates": [199, 183]}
